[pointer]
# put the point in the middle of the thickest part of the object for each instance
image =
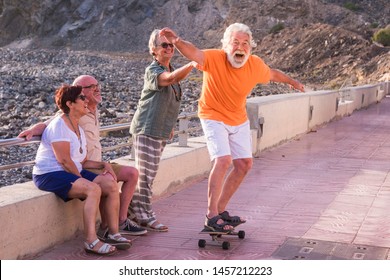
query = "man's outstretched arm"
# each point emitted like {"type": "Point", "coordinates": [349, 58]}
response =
{"type": "Point", "coordinates": [280, 77]}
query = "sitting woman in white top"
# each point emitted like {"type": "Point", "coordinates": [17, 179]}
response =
{"type": "Point", "coordinates": [60, 168]}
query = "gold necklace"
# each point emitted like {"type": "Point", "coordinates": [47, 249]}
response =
{"type": "Point", "coordinates": [81, 143]}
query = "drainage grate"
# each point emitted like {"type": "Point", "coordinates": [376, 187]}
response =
{"type": "Point", "coordinates": [310, 249]}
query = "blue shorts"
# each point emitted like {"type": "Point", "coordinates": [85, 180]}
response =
{"type": "Point", "coordinates": [60, 182]}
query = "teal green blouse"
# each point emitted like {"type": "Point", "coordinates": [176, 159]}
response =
{"type": "Point", "coordinates": [158, 107]}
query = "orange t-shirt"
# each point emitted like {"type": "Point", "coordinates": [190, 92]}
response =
{"type": "Point", "coordinates": [226, 88]}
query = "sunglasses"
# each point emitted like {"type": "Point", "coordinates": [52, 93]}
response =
{"type": "Point", "coordinates": [165, 45]}
{"type": "Point", "coordinates": [82, 97]}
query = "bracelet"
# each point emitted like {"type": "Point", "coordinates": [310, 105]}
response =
{"type": "Point", "coordinates": [177, 40]}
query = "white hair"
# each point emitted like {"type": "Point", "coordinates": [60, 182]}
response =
{"type": "Point", "coordinates": [237, 27]}
{"type": "Point", "coordinates": [154, 36]}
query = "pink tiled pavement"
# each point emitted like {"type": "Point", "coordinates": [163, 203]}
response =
{"type": "Point", "coordinates": [330, 185]}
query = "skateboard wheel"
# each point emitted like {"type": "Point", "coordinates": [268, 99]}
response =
{"type": "Point", "coordinates": [201, 243]}
{"type": "Point", "coordinates": [241, 234]}
{"type": "Point", "coordinates": [225, 245]}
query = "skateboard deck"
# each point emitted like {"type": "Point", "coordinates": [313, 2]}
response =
{"type": "Point", "coordinates": [217, 238]}
{"type": "Point", "coordinates": [211, 232]}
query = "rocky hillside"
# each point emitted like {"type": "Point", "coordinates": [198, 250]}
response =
{"type": "Point", "coordinates": [315, 35]}
{"type": "Point", "coordinates": [114, 25]}
{"type": "Point", "coordinates": [326, 57]}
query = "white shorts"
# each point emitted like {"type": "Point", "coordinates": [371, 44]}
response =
{"type": "Point", "coordinates": [223, 140]}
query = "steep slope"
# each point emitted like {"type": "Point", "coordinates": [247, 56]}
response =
{"type": "Point", "coordinates": [324, 42]}
{"type": "Point", "coordinates": [116, 25]}
{"type": "Point", "coordinates": [325, 55]}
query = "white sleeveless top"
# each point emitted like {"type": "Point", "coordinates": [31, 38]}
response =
{"type": "Point", "coordinates": [58, 131]}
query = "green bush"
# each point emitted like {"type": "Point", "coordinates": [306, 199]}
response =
{"type": "Point", "coordinates": [351, 6]}
{"type": "Point", "coordinates": [382, 36]}
{"type": "Point", "coordinates": [374, 25]}
{"type": "Point", "coordinates": [276, 28]}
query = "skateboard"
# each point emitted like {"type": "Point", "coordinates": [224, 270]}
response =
{"type": "Point", "coordinates": [217, 238]}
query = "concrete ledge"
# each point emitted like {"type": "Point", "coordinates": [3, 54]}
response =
{"type": "Point", "coordinates": [33, 220]}
{"type": "Point", "coordinates": [287, 116]}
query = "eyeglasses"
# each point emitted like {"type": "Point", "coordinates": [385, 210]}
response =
{"type": "Point", "coordinates": [82, 97]}
{"type": "Point", "coordinates": [165, 45]}
{"type": "Point", "coordinates": [93, 87]}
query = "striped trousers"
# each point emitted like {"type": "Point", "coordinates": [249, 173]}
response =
{"type": "Point", "coordinates": [148, 151]}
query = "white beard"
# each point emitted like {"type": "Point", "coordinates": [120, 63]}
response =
{"type": "Point", "coordinates": [234, 63]}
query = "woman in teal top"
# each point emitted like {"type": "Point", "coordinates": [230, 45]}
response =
{"type": "Point", "coordinates": [153, 124]}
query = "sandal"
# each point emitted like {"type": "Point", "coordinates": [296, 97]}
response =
{"type": "Point", "coordinates": [118, 241]}
{"type": "Point", "coordinates": [104, 250]}
{"type": "Point", "coordinates": [231, 220]}
{"type": "Point", "coordinates": [102, 233]}
{"type": "Point", "coordinates": [211, 224]}
{"type": "Point", "coordinates": [154, 225]}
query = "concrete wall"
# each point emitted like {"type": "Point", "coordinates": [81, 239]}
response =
{"type": "Point", "coordinates": [286, 116]}
{"type": "Point", "coordinates": [32, 220]}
